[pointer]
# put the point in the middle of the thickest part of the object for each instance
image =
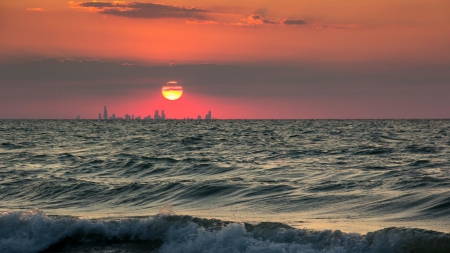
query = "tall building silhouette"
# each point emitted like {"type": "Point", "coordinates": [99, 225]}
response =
{"type": "Point", "coordinates": [157, 116]}
{"type": "Point", "coordinates": [208, 115]}
{"type": "Point", "coordinates": [161, 116]}
{"type": "Point", "coordinates": [105, 113]}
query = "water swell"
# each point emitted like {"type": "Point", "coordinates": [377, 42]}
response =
{"type": "Point", "coordinates": [32, 232]}
{"type": "Point", "coordinates": [9, 145]}
{"type": "Point", "coordinates": [377, 170]}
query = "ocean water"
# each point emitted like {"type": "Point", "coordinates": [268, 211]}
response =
{"type": "Point", "coordinates": [225, 186]}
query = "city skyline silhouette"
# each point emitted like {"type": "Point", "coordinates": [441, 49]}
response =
{"type": "Point", "coordinates": [156, 116]}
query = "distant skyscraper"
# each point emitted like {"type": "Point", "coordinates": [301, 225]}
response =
{"type": "Point", "coordinates": [199, 117]}
{"type": "Point", "coordinates": [208, 115]}
{"type": "Point", "coordinates": [99, 115]}
{"type": "Point", "coordinates": [156, 116]}
{"type": "Point", "coordinates": [105, 113]}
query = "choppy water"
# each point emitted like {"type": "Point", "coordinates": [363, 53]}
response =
{"type": "Point", "coordinates": [225, 186]}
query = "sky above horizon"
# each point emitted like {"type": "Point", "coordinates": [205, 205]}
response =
{"type": "Point", "coordinates": [287, 59]}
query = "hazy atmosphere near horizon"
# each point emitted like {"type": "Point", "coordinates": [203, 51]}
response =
{"type": "Point", "coordinates": [242, 59]}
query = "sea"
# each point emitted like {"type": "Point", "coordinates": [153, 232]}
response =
{"type": "Point", "coordinates": [271, 186]}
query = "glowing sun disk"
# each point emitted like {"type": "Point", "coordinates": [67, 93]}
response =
{"type": "Point", "coordinates": [172, 92]}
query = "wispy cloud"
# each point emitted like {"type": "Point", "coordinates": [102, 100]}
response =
{"type": "Point", "coordinates": [35, 9]}
{"type": "Point", "coordinates": [340, 26]}
{"type": "Point", "coordinates": [201, 22]}
{"type": "Point", "coordinates": [142, 10]}
{"type": "Point", "coordinates": [258, 19]}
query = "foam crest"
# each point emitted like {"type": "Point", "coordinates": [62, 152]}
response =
{"type": "Point", "coordinates": [232, 238]}
{"type": "Point", "coordinates": [33, 231]}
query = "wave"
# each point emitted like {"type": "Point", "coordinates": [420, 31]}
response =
{"type": "Point", "coordinates": [33, 232]}
{"type": "Point", "coordinates": [9, 145]}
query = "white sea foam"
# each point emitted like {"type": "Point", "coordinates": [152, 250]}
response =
{"type": "Point", "coordinates": [32, 231]}
{"type": "Point", "coordinates": [232, 238]}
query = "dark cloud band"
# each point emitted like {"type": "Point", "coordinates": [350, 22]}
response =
{"type": "Point", "coordinates": [294, 22]}
{"type": "Point", "coordinates": [161, 11]}
{"type": "Point", "coordinates": [146, 10]}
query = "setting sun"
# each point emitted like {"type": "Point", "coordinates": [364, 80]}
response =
{"type": "Point", "coordinates": [171, 91]}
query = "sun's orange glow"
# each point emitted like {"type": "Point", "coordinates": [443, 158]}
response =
{"type": "Point", "coordinates": [171, 91]}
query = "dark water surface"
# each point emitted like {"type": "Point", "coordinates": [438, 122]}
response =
{"type": "Point", "coordinates": [225, 186]}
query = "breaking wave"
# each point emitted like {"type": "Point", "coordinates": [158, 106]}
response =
{"type": "Point", "coordinates": [33, 231]}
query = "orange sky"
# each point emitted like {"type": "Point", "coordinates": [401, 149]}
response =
{"type": "Point", "coordinates": [244, 32]}
{"type": "Point", "coordinates": [335, 31]}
